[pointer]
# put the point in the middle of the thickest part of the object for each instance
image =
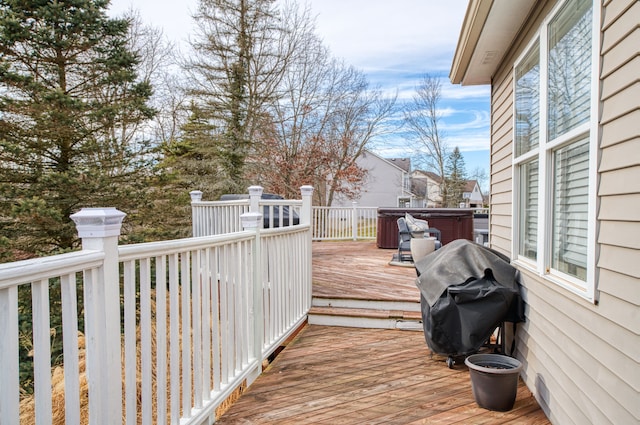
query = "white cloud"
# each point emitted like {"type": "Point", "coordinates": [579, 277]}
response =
{"type": "Point", "coordinates": [374, 33]}
{"type": "Point", "coordinates": [451, 91]}
{"type": "Point", "coordinates": [469, 143]}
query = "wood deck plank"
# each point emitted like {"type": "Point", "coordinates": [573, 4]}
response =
{"type": "Point", "coordinates": [359, 270]}
{"type": "Point", "coordinates": [339, 375]}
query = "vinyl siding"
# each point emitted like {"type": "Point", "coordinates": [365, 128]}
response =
{"type": "Point", "coordinates": [620, 155]}
{"type": "Point", "coordinates": [382, 186]}
{"type": "Point", "coordinates": [582, 360]}
{"type": "Point", "coordinates": [501, 173]}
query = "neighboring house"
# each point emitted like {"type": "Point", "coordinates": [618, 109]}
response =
{"type": "Point", "coordinates": [426, 190]}
{"type": "Point", "coordinates": [386, 184]}
{"type": "Point", "coordinates": [425, 187]}
{"type": "Point", "coordinates": [472, 195]}
{"type": "Point", "coordinates": [565, 191]}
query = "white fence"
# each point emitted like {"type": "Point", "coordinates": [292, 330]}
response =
{"type": "Point", "coordinates": [335, 223]}
{"type": "Point", "coordinates": [181, 323]}
{"type": "Point", "coordinates": [218, 217]}
{"type": "Point", "coordinates": [328, 223]}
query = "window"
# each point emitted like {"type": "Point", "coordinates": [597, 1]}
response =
{"type": "Point", "coordinates": [553, 102]}
{"type": "Point", "coordinates": [527, 102]}
{"type": "Point", "coordinates": [570, 202]}
{"type": "Point", "coordinates": [569, 68]}
{"type": "Point", "coordinates": [404, 202]}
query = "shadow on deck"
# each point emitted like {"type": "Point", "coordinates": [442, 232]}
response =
{"type": "Point", "coordinates": [349, 375]}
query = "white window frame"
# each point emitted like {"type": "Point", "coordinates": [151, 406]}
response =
{"type": "Point", "coordinates": [544, 153]}
{"type": "Point", "coordinates": [403, 200]}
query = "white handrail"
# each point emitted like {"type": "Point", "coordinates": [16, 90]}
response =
{"type": "Point", "coordinates": [18, 272]}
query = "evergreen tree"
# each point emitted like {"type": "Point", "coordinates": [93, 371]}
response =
{"type": "Point", "coordinates": [68, 87]}
{"type": "Point", "coordinates": [456, 179]}
{"type": "Point", "coordinates": [193, 162]}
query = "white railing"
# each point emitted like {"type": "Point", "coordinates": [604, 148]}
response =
{"type": "Point", "coordinates": [43, 275]}
{"type": "Point", "coordinates": [218, 217]}
{"type": "Point", "coordinates": [342, 223]}
{"type": "Point", "coordinates": [328, 223]}
{"type": "Point", "coordinates": [198, 317]}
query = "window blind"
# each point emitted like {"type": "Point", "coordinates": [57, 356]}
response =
{"type": "Point", "coordinates": [529, 209]}
{"type": "Point", "coordinates": [570, 209]}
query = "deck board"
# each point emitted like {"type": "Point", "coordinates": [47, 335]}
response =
{"type": "Point", "coordinates": [359, 270]}
{"type": "Point", "coordinates": [339, 375]}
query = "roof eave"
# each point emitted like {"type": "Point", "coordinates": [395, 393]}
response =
{"type": "Point", "coordinates": [488, 30]}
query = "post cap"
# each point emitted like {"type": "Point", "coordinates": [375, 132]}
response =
{"type": "Point", "coordinates": [98, 222]}
{"type": "Point", "coordinates": [251, 220]}
{"type": "Point", "coordinates": [255, 190]}
{"type": "Point", "coordinates": [196, 195]}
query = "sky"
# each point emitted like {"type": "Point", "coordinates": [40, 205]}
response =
{"type": "Point", "coordinates": [394, 43]}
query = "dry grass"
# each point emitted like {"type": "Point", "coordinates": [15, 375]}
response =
{"type": "Point", "coordinates": [226, 405]}
{"type": "Point", "coordinates": [27, 403]}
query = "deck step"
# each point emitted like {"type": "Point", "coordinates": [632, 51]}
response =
{"type": "Point", "coordinates": [365, 318]}
{"type": "Point", "coordinates": [367, 304]}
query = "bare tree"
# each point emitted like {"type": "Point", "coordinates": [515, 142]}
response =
{"type": "Point", "coordinates": [160, 212]}
{"type": "Point", "coordinates": [422, 118]}
{"type": "Point", "coordinates": [286, 154]}
{"type": "Point", "coordinates": [480, 175]}
{"type": "Point", "coordinates": [359, 116]}
{"type": "Point", "coordinates": [159, 66]}
{"type": "Point", "coordinates": [239, 56]}
{"type": "Point", "coordinates": [325, 118]}
{"type": "Point", "coordinates": [282, 112]}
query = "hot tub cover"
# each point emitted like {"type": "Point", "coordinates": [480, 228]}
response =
{"type": "Point", "coordinates": [466, 290]}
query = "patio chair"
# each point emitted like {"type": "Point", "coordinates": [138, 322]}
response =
{"type": "Point", "coordinates": [404, 241]}
{"type": "Point", "coordinates": [405, 235]}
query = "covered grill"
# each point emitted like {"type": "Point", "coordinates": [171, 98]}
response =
{"type": "Point", "coordinates": [467, 292]}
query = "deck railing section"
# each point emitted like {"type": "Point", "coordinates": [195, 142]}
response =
{"type": "Point", "coordinates": [218, 217]}
{"type": "Point", "coordinates": [61, 274]}
{"type": "Point", "coordinates": [343, 223]}
{"type": "Point", "coordinates": [181, 323]}
{"type": "Point", "coordinates": [328, 223]}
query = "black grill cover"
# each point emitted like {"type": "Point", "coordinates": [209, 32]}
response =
{"type": "Point", "coordinates": [466, 291]}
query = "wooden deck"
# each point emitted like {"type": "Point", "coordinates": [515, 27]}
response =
{"type": "Point", "coordinates": [346, 375]}
{"type": "Point", "coordinates": [359, 270]}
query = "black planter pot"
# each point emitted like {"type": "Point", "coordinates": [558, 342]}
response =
{"type": "Point", "coordinates": [494, 380]}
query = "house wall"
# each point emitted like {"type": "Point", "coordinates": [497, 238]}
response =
{"type": "Point", "coordinates": [432, 198]}
{"type": "Point", "coordinates": [383, 184]}
{"type": "Point", "coordinates": [475, 196]}
{"type": "Point", "coordinates": [582, 360]}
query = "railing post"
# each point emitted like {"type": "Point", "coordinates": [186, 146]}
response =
{"type": "Point", "coordinates": [196, 196]}
{"type": "Point", "coordinates": [354, 220]}
{"type": "Point", "coordinates": [306, 217]}
{"type": "Point", "coordinates": [305, 214]}
{"type": "Point", "coordinates": [255, 194]}
{"type": "Point", "coordinates": [196, 219]}
{"type": "Point", "coordinates": [9, 359]}
{"type": "Point", "coordinates": [252, 221]}
{"type": "Point", "coordinates": [99, 229]}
